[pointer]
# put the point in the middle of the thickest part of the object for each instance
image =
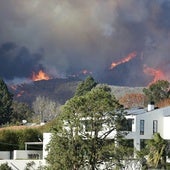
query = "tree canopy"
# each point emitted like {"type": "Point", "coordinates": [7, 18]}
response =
{"type": "Point", "coordinates": [21, 111]}
{"type": "Point", "coordinates": [85, 86]}
{"type": "Point", "coordinates": [157, 91]}
{"type": "Point", "coordinates": [155, 151]}
{"type": "Point", "coordinates": [88, 138]}
{"type": "Point", "coordinates": [5, 103]}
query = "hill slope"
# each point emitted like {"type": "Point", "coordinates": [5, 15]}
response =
{"type": "Point", "coordinates": [58, 90]}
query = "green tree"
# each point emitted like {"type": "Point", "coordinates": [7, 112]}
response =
{"type": "Point", "coordinates": [29, 135]}
{"type": "Point", "coordinates": [5, 166]}
{"type": "Point", "coordinates": [85, 86]}
{"type": "Point", "coordinates": [21, 111]}
{"type": "Point", "coordinates": [12, 139]}
{"type": "Point", "coordinates": [85, 141]}
{"type": "Point", "coordinates": [5, 103]}
{"type": "Point", "coordinates": [9, 140]}
{"type": "Point", "coordinates": [157, 91]}
{"type": "Point", "coordinates": [157, 152]}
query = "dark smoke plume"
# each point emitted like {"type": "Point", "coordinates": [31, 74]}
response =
{"type": "Point", "coordinates": [80, 35]}
{"type": "Point", "coordinates": [18, 61]}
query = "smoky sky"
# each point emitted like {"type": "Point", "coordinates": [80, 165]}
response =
{"type": "Point", "coordinates": [65, 37]}
{"type": "Point", "coordinates": [18, 61]}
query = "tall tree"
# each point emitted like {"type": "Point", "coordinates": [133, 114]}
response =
{"type": "Point", "coordinates": [157, 91]}
{"type": "Point", "coordinates": [88, 138]}
{"type": "Point", "coordinates": [85, 86]}
{"type": "Point", "coordinates": [21, 111]}
{"type": "Point", "coordinates": [46, 108]}
{"type": "Point", "coordinates": [5, 103]}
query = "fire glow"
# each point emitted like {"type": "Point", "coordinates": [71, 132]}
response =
{"type": "Point", "coordinates": [40, 76]}
{"type": "Point", "coordinates": [157, 74]}
{"type": "Point", "coordinates": [86, 72]}
{"type": "Point", "coordinates": [129, 57]}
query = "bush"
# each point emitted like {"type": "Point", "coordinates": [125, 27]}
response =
{"type": "Point", "coordinates": [5, 166]}
{"type": "Point", "coordinates": [15, 139]}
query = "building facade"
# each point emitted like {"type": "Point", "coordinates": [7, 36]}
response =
{"type": "Point", "coordinates": [146, 122]}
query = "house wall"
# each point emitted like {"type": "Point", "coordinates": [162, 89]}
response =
{"type": "Point", "coordinates": [166, 128]}
{"type": "Point", "coordinates": [46, 140]}
{"type": "Point", "coordinates": [161, 115]}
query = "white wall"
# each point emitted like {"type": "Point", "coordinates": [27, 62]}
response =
{"type": "Point", "coordinates": [27, 154]}
{"type": "Point", "coordinates": [166, 128]}
{"type": "Point", "coordinates": [161, 115]}
{"type": "Point", "coordinates": [46, 140]}
{"type": "Point", "coordinates": [4, 154]}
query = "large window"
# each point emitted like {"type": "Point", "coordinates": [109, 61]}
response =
{"type": "Point", "coordinates": [142, 126]}
{"type": "Point", "coordinates": [127, 125]}
{"type": "Point", "coordinates": [155, 126]}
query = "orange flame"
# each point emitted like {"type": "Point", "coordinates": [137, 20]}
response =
{"type": "Point", "coordinates": [40, 76]}
{"type": "Point", "coordinates": [20, 93]}
{"type": "Point", "coordinates": [157, 74]}
{"type": "Point", "coordinates": [85, 72]}
{"type": "Point", "coordinates": [124, 60]}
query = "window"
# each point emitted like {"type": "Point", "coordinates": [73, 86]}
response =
{"type": "Point", "coordinates": [142, 124]}
{"type": "Point", "coordinates": [155, 126]}
{"type": "Point", "coordinates": [90, 125]}
{"type": "Point", "coordinates": [143, 143]}
{"type": "Point", "coordinates": [127, 125]}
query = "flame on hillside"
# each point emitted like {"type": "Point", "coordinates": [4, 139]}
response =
{"type": "Point", "coordinates": [41, 75]}
{"type": "Point", "coordinates": [85, 72]}
{"type": "Point", "coordinates": [157, 74]}
{"type": "Point", "coordinates": [82, 72]}
{"type": "Point", "coordinates": [129, 57]}
{"type": "Point", "coordinates": [20, 93]}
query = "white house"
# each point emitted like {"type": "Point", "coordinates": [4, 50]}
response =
{"type": "Point", "coordinates": [146, 122]}
{"type": "Point", "coordinates": [143, 123]}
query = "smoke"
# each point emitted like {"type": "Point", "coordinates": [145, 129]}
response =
{"type": "Point", "coordinates": [74, 35]}
{"type": "Point", "coordinates": [18, 61]}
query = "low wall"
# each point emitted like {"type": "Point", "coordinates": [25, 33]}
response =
{"type": "Point", "coordinates": [27, 154]}
{"type": "Point", "coordinates": [5, 155]}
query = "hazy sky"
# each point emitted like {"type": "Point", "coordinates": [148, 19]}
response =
{"type": "Point", "coordinates": [64, 37]}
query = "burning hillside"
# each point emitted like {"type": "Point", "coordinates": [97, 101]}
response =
{"type": "Point", "coordinates": [41, 75]}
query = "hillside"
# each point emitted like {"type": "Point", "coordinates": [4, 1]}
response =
{"type": "Point", "coordinates": [58, 90]}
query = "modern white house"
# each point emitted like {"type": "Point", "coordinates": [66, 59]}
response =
{"type": "Point", "coordinates": [143, 123]}
{"type": "Point", "coordinates": [146, 122]}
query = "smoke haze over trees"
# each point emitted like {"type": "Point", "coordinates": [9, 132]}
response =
{"type": "Point", "coordinates": [66, 37]}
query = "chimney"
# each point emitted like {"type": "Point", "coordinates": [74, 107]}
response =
{"type": "Point", "coordinates": [151, 106]}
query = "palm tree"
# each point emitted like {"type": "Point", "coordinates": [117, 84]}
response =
{"type": "Point", "coordinates": [157, 151]}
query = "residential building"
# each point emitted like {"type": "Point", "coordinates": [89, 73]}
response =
{"type": "Point", "coordinates": [142, 124]}
{"type": "Point", "coordinates": [146, 122]}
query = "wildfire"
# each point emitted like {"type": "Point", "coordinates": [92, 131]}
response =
{"type": "Point", "coordinates": [129, 57]}
{"type": "Point", "coordinates": [20, 93]}
{"type": "Point", "coordinates": [40, 76]}
{"type": "Point", "coordinates": [85, 72]}
{"type": "Point", "coordinates": [157, 74]}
